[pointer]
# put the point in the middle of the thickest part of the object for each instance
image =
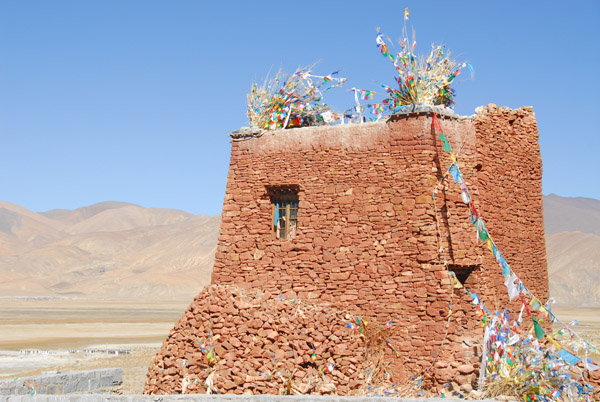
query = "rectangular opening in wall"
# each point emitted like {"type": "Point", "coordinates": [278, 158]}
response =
{"type": "Point", "coordinates": [284, 200]}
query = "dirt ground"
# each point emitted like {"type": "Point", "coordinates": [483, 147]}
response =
{"type": "Point", "coordinates": [49, 335]}
{"type": "Point", "coordinates": [588, 322]}
{"type": "Point", "coordinates": [52, 324]}
{"type": "Point", "coordinates": [59, 331]}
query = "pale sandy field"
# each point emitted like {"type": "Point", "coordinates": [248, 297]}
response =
{"type": "Point", "coordinates": [588, 322]}
{"type": "Point", "coordinates": [57, 327]}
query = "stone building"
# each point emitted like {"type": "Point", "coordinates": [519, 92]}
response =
{"type": "Point", "coordinates": [344, 215]}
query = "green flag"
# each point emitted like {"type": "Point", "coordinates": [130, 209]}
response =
{"type": "Point", "coordinates": [447, 146]}
{"type": "Point", "coordinates": [539, 331]}
{"type": "Point", "coordinates": [481, 230]}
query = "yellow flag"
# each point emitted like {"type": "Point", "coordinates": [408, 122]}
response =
{"type": "Point", "coordinates": [535, 304]}
{"type": "Point", "coordinates": [457, 284]}
{"type": "Point", "coordinates": [558, 347]}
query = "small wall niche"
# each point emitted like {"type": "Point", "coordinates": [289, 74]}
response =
{"type": "Point", "coordinates": [465, 273]}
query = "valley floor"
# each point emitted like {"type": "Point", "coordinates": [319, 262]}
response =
{"type": "Point", "coordinates": [68, 335]}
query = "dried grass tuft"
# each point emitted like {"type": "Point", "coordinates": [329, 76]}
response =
{"type": "Point", "coordinates": [294, 101]}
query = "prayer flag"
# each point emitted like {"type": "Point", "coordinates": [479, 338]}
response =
{"type": "Point", "coordinates": [587, 363]}
{"type": "Point", "coordinates": [556, 345]}
{"type": "Point", "coordinates": [455, 173]}
{"type": "Point", "coordinates": [446, 146]}
{"type": "Point", "coordinates": [465, 196]}
{"type": "Point", "coordinates": [482, 231]}
{"type": "Point", "coordinates": [513, 286]}
{"type": "Point", "coordinates": [457, 284]}
{"type": "Point", "coordinates": [535, 304]}
{"type": "Point", "coordinates": [505, 269]}
{"type": "Point", "coordinates": [568, 357]}
{"type": "Point", "coordinates": [539, 331]}
{"type": "Point", "coordinates": [435, 123]}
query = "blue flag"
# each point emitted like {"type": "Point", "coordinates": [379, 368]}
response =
{"type": "Point", "coordinates": [456, 173]}
{"type": "Point", "coordinates": [568, 357]}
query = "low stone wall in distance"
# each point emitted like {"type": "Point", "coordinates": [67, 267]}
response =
{"type": "Point", "coordinates": [103, 380]}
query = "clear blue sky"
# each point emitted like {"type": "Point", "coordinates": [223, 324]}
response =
{"type": "Point", "coordinates": [133, 100]}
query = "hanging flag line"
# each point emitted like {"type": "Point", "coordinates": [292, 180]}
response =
{"type": "Point", "coordinates": [338, 81]}
{"type": "Point", "coordinates": [515, 287]}
{"type": "Point", "coordinates": [357, 111]}
{"type": "Point", "coordinates": [530, 370]}
{"type": "Point", "coordinates": [519, 363]}
{"type": "Point", "coordinates": [535, 373]}
{"type": "Point", "coordinates": [362, 94]}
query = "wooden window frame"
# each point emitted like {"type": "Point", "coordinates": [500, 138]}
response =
{"type": "Point", "coordinates": [288, 223]}
{"type": "Point", "coordinates": [288, 196]}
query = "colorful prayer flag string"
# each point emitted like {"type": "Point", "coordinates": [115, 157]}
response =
{"type": "Point", "coordinates": [541, 372]}
{"type": "Point", "coordinates": [294, 101]}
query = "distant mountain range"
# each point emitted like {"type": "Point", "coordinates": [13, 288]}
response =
{"type": "Point", "coordinates": [111, 250]}
{"type": "Point", "coordinates": [117, 250]}
{"type": "Point", "coordinates": [573, 249]}
{"type": "Point", "coordinates": [566, 214]}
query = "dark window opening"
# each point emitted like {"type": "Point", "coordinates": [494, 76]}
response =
{"type": "Point", "coordinates": [284, 200]}
{"type": "Point", "coordinates": [285, 217]}
{"type": "Point", "coordinates": [462, 272]}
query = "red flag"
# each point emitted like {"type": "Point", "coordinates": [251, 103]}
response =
{"type": "Point", "coordinates": [435, 123]}
{"type": "Point", "coordinates": [525, 304]}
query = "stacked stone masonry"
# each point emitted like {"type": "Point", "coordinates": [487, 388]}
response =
{"type": "Point", "coordinates": [265, 344]}
{"type": "Point", "coordinates": [367, 239]}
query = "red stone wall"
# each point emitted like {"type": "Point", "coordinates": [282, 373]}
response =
{"type": "Point", "coordinates": [367, 238]}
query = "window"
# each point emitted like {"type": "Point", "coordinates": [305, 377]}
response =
{"type": "Point", "coordinates": [285, 217]}
{"type": "Point", "coordinates": [284, 200]}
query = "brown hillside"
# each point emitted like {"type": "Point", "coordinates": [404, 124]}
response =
{"type": "Point", "coordinates": [111, 250]}
{"type": "Point", "coordinates": [574, 268]}
{"type": "Point", "coordinates": [117, 249]}
{"type": "Point", "coordinates": [73, 216]}
{"type": "Point", "coordinates": [571, 214]}
{"type": "Point", "coordinates": [24, 228]}
{"type": "Point", "coordinates": [573, 242]}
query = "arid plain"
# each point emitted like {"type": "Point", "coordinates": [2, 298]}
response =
{"type": "Point", "coordinates": [66, 329]}
{"type": "Point", "coordinates": [40, 335]}
{"type": "Point", "coordinates": [79, 286]}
